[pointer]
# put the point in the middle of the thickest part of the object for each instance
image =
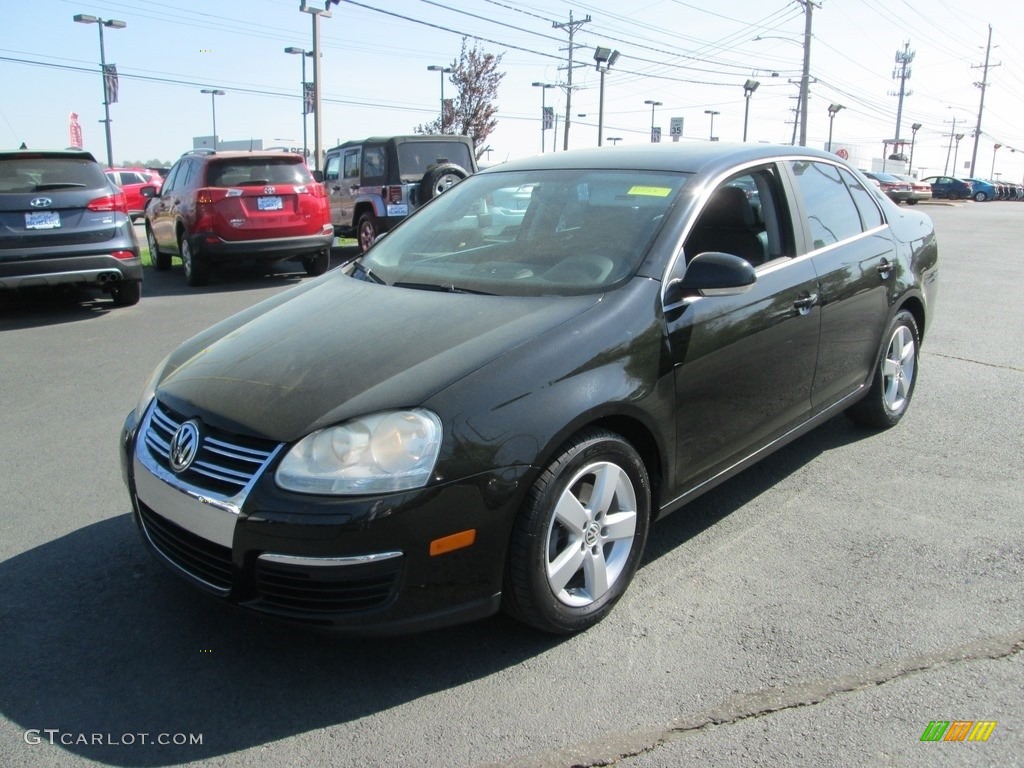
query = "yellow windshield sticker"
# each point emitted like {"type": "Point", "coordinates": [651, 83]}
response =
{"type": "Point", "coordinates": [650, 191]}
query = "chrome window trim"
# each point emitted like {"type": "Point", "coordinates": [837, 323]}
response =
{"type": "Point", "coordinates": [376, 557]}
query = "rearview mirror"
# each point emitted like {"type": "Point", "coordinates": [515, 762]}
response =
{"type": "Point", "coordinates": [712, 274]}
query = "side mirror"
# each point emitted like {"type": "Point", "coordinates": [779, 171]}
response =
{"type": "Point", "coordinates": [148, 191]}
{"type": "Point", "coordinates": [318, 176]}
{"type": "Point", "coordinates": [712, 274]}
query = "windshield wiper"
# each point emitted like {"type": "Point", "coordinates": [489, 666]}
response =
{"type": "Point", "coordinates": [368, 272]}
{"type": "Point", "coordinates": [443, 288]}
{"type": "Point", "coordinates": [57, 185]}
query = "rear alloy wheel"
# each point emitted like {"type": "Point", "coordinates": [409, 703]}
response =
{"type": "Point", "coordinates": [895, 377]}
{"type": "Point", "coordinates": [197, 270]}
{"type": "Point", "coordinates": [980, 196]}
{"type": "Point", "coordinates": [580, 536]}
{"type": "Point", "coordinates": [127, 293]}
{"type": "Point", "coordinates": [317, 265]}
{"type": "Point", "coordinates": [367, 231]}
{"type": "Point", "coordinates": [161, 261]}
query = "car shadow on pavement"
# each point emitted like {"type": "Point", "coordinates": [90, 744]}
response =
{"type": "Point", "coordinates": [100, 639]}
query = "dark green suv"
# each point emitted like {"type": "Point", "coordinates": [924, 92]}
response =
{"type": "Point", "coordinates": [374, 183]}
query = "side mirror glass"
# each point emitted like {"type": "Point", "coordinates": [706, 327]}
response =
{"type": "Point", "coordinates": [712, 274]}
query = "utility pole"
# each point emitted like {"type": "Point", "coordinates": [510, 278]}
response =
{"type": "Point", "coordinates": [806, 76]}
{"type": "Point", "coordinates": [571, 26]}
{"type": "Point", "coordinates": [902, 73]}
{"type": "Point", "coordinates": [981, 106]}
{"type": "Point", "coordinates": [318, 127]}
{"type": "Point", "coordinates": [949, 149]}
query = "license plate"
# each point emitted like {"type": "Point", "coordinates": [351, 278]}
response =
{"type": "Point", "coordinates": [269, 203]}
{"type": "Point", "coordinates": [42, 220]}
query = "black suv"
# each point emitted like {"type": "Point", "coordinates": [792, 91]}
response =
{"type": "Point", "coordinates": [63, 223]}
{"type": "Point", "coordinates": [375, 183]}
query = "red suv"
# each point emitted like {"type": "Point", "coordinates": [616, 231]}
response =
{"type": "Point", "coordinates": [230, 206]}
{"type": "Point", "coordinates": [131, 181]}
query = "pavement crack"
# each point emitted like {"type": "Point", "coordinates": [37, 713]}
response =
{"type": "Point", "coordinates": [609, 750]}
{"type": "Point", "coordinates": [977, 362]}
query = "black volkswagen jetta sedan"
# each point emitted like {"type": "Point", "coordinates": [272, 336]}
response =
{"type": "Point", "coordinates": [490, 407]}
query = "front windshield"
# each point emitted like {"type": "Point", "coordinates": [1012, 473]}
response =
{"type": "Point", "coordinates": [528, 233]}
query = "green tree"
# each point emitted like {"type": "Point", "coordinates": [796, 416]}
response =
{"type": "Point", "coordinates": [471, 113]}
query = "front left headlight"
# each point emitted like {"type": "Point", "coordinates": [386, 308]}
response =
{"type": "Point", "coordinates": [389, 451]}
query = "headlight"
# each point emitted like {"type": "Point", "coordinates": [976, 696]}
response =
{"type": "Point", "coordinates": [390, 451]}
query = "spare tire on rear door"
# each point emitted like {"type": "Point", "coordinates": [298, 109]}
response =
{"type": "Point", "coordinates": [439, 178]}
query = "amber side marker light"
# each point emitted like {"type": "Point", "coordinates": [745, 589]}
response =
{"type": "Point", "coordinates": [453, 542]}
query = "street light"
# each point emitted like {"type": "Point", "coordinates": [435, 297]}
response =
{"type": "Point", "coordinates": [653, 105]}
{"type": "Point", "coordinates": [214, 93]}
{"type": "Point", "coordinates": [444, 71]}
{"type": "Point", "coordinates": [614, 139]}
{"type": "Point", "coordinates": [913, 138]}
{"type": "Point", "coordinates": [304, 54]}
{"type": "Point", "coordinates": [82, 18]}
{"type": "Point", "coordinates": [995, 148]}
{"type": "Point", "coordinates": [318, 128]}
{"type": "Point", "coordinates": [748, 90]}
{"type": "Point", "coordinates": [604, 58]}
{"type": "Point", "coordinates": [832, 109]}
{"type": "Point", "coordinates": [543, 110]}
{"type": "Point", "coordinates": [712, 112]}
{"type": "Point", "coordinates": [956, 150]}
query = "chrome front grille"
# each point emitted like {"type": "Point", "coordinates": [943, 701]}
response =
{"type": "Point", "coordinates": [225, 463]}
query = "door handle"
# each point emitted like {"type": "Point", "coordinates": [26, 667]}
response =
{"type": "Point", "coordinates": [804, 305]}
{"type": "Point", "coordinates": [884, 269]}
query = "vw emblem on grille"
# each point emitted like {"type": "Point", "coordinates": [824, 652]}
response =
{"type": "Point", "coordinates": [268, 190]}
{"type": "Point", "coordinates": [41, 202]}
{"type": "Point", "coordinates": [184, 446]}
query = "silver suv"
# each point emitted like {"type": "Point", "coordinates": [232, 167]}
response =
{"type": "Point", "coordinates": [374, 183]}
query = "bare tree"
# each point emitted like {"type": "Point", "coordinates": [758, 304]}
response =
{"type": "Point", "coordinates": [471, 112]}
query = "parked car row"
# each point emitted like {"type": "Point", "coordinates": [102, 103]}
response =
{"type": "Point", "coordinates": [901, 188]}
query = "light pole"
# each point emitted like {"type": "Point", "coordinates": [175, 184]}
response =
{"type": "Point", "coordinates": [214, 93]}
{"type": "Point", "coordinates": [604, 58]}
{"type": "Point", "coordinates": [956, 150]}
{"type": "Point", "coordinates": [315, 14]}
{"type": "Point", "coordinates": [653, 105]}
{"type": "Point", "coordinates": [614, 139]}
{"type": "Point", "coordinates": [914, 128]}
{"type": "Point", "coordinates": [995, 148]}
{"type": "Point", "coordinates": [444, 71]}
{"type": "Point", "coordinates": [82, 18]}
{"type": "Point", "coordinates": [712, 112]}
{"type": "Point", "coordinates": [748, 90]}
{"type": "Point", "coordinates": [832, 109]}
{"type": "Point", "coordinates": [543, 110]}
{"type": "Point", "coordinates": [304, 54]}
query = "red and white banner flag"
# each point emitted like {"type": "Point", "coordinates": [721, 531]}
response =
{"type": "Point", "coordinates": [74, 131]}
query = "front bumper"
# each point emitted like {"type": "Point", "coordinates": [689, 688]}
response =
{"type": "Point", "coordinates": [360, 564]}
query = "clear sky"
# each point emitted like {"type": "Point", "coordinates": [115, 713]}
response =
{"type": "Point", "coordinates": [690, 55]}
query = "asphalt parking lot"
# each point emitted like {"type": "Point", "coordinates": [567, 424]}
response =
{"type": "Point", "coordinates": [822, 608]}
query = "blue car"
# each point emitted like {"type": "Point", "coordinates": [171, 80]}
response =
{"type": "Point", "coordinates": [982, 190]}
{"type": "Point", "coordinates": [949, 187]}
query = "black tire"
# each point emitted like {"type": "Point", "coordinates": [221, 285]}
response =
{"type": "Point", "coordinates": [197, 269]}
{"type": "Point", "coordinates": [317, 265]}
{"type": "Point", "coordinates": [127, 293]}
{"type": "Point", "coordinates": [161, 261]}
{"type": "Point", "coordinates": [895, 376]}
{"type": "Point", "coordinates": [912, 202]}
{"type": "Point", "coordinates": [980, 196]}
{"type": "Point", "coordinates": [367, 231]}
{"type": "Point", "coordinates": [603, 551]}
{"type": "Point", "coordinates": [439, 179]}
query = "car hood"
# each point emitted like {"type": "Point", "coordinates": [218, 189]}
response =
{"type": "Point", "coordinates": [342, 348]}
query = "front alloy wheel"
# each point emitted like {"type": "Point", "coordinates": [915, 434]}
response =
{"type": "Point", "coordinates": [197, 271]}
{"type": "Point", "coordinates": [579, 539]}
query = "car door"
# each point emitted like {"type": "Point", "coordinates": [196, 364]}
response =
{"type": "Point", "coordinates": [849, 243]}
{"type": "Point", "coordinates": [744, 362]}
{"type": "Point", "coordinates": [342, 190]}
{"type": "Point", "coordinates": [159, 216]}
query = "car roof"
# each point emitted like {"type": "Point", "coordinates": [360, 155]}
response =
{"type": "Point", "coordinates": [39, 153]}
{"type": "Point", "coordinates": [697, 157]}
{"type": "Point", "coordinates": [259, 154]}
{"type": "Point", "coordinates": [404, 138]}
